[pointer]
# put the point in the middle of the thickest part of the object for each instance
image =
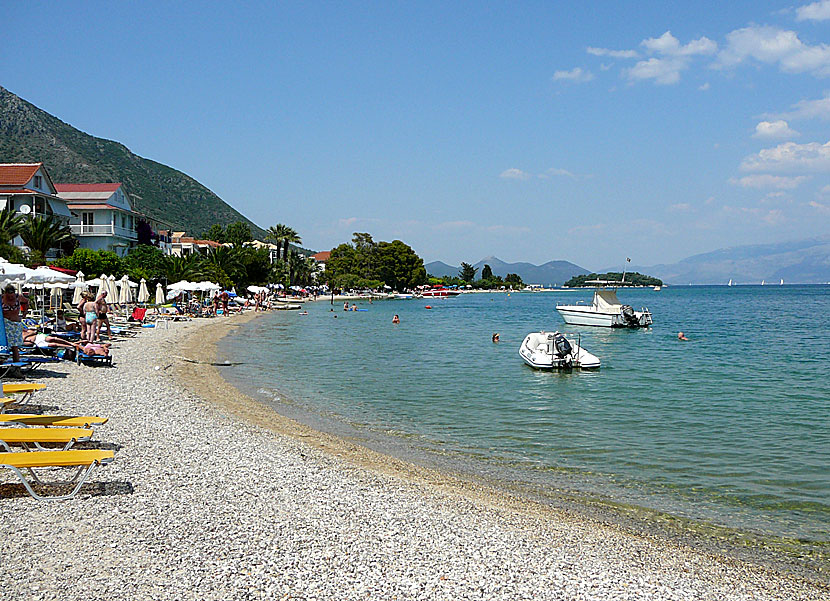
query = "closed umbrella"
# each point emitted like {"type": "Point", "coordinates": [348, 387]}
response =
{"type": "Point", "coordinates": [80, 286]}
{"type": "Point", "coordinates": [143, 293]}
{"type": "Point", "coordinates": [112, 291]}
{"type": "Point", "coordinates": [124, 296]}
{"type": "Point", "coordinates": [159, 294]}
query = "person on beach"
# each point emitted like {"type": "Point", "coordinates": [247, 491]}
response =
{"type": "Point", "coordinates": [681, 336]}
{"type": "Point", "coordinates": [496, 337]}
{"type": "Point", "coordinates": [89, 314]}
{"type": "Point", "coordinates": [396, 319]}
{"type": "Point", "coordinates": [225, 297]}
{"type": "Point", "coordinates": [12, 319]}
{"type": "Point", "coordinates": [101, 309]}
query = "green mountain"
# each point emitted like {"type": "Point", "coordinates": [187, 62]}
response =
{"type": "Point", "coordinates": [30, 135]}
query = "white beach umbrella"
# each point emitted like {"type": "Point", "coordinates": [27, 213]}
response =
{"type": "Point", "coordinates": [14, 272]}
{"type": "Point", "coordinates": [124, 295]}
{"type": "Point", "coordinates": [143, 293]}
{"type": "Point", "coordinates": [179, 286]}
{"type": "Point", "coordinates": [112, 290]}
{"type": "Point", "coordinates": [47, 275]}
{"type": "Point", "coordinates": [159, 294]}
{"type": "Point", "coordinates": [80, 286]}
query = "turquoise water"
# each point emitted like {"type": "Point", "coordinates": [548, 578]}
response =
{"type": "Point", "coordinates": [730, 427]}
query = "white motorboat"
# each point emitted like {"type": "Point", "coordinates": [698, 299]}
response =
{"type": "Point", "coordinates": [551, 350]}
{"type": "Point", "coordinates": [605, 310]}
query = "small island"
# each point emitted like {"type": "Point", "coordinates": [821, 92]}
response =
{"type": "Point", "coordinates": [631, 279]}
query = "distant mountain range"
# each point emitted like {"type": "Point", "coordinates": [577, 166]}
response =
{"type": "Point", "coordinates": [31, 135]}
{"type": "Point", "coordinates": [796, 262]}
{"type": "Point", "coordinates": [552, 273]}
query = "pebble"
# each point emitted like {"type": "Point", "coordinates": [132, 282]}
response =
{"type": "Point", "coordinates": [198, 506]}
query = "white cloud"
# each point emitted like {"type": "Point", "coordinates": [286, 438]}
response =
{"type": "Point", "coordinates": [765, 180]}
{"type": "Point", "coordinates": [514, 173]}
{"type": "Point", "coordinates": [664, 71]}
{"type": "Point", "coordinates": [350, 221]}
{"type": "Point", "coordinates": [612, 53]}
{"type": "Point", "coordinates": [669, 45]}
{"type": "Point", "coordinates": [704, 87]}
{"type": "Point", "coordinates": [821, 208]}
{"type": "Point", "coordinates": [455, 225]}
{"type": "Point", "coordinates": [810, 109]}
{"type": "Point", "coordinates": [576, 74]}
{"type": "Point", "coordinates": [825, 191]}
{"type": "Point", "coordinates": [555, 171]}
{"type": "Point", "coordinates": [774, 129]}
{"type": "Point", "coordinates": [774, 46]}
{"type": "Point", "coordinates": [769, 217]}
{"type": "Point", "coordinates": [680, 207]}
{"type": "Point", "coordinates": [817, 11]}
{"type": "Point", "coordinates": [790, 156]}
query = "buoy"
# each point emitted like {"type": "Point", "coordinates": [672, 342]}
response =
{"type": "Point", "coordinates": [428, 307]}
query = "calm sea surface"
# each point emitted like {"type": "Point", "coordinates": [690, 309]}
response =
{"type": "Point", "coordinates": [730, 428]}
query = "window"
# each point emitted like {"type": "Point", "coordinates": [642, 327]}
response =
{"type": "Point", "coordinates": [86, 218]}
{"type": "Point", "coordinates": [38, 181]}
{"type": "Point", "coordinates": [40, 206]}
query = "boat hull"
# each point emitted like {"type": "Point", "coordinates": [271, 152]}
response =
{"type": "Point", "coordinates": [579, 315]}
{"type": "Point", "coordinates": [534, 353]}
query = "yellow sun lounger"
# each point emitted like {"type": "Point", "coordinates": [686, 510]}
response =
{"type": "Point", "coordinates": [32, 419]}
{"type": "Point", "coordinates": [84, 461]}
{"type": "Point", "coordinates": [27, 389]}
{"type": "Point", "coordinates": [37, 437]}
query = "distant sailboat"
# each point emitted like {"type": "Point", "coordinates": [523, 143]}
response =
{"type": "Point", "coordinates": [763, 282]}
{"type": "Point", "coordinates": [730, 283]}
{"type": "Point", "coordinates": [782, 282]}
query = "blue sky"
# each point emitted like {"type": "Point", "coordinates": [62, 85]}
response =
{"type": "Point", "coordinates": [530, 131]}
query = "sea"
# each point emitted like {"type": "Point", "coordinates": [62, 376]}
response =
{"type": "Point", "coordinates": [726, 434]}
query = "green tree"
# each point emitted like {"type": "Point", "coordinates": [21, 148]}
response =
{"type": "Point", "coordinates": [514, 280]}
{"type": "Point", "coordinates": [256, 263]}
{"type": "Point", "coordinates": [228, 260]}
{"type": "Point", "coordinates": [238, 233]}
{"type": "Point", "coordinates": [486, 272]}
{"type": "Point", "coordinates": [396, 264]}
{"type": "Point", "coordinates": [11, 224]}
{"type": "Point", "coordinates": [42, 233]}
{"type": "Point", "coordinates": [189, 267]}
{"type": "Point", "coordinates": [282, 235]}
{"type": "Point", "coordinates": [93, 262]}
{"type": "Point", "coordinates": [467, 273]}
{"type": "Point", "coordinates": [144, 261]}
{"type": "Point", "coordinates": [215, 233]}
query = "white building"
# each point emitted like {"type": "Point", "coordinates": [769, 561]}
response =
{"type": "Point", "coordinates": [103, 218]}
{"type": "Point", "coordinates": [29, 190]}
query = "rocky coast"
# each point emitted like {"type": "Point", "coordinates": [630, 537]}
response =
{"type": "Point", "coordinates": [214, 496]}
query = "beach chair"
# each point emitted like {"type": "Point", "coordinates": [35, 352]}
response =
{"type": "Point", "coordinates": [85, 461]}
{"type": "Point", "coordinates": [37, 437]}
{"type": "Point", "coordinates": [33, 419]}
{"type": "Point", "coordinates": [93, 360]}
{"type": "Point", "coordinates": [25, 389]}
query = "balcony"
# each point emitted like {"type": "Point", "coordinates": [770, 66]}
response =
{"type": "Point", "coordinates": [103, 230]}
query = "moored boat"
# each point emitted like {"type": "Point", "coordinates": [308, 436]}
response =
{"type": "Point", "coordinates": [552, 350]}
{"type": "Point", "coordinates": [605, 310]}
{"type": "Point", "coordinates": [439, 292]}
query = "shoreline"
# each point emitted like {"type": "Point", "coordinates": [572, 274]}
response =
{"type": "Point", "coordinates": [200, 503]}
{"type": "Point", "coordinates": [763, 552]}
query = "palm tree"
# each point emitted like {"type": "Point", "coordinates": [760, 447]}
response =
{"type": "Point", "coordinates": [11, 224]}
{"type": "Point", "coordinates": [283, 235]}
{"type": "Point", "coordinates": [42, 233]}
{"type": "Point", "coordinates": [226, 259]}
{"type": "Point", "coordinates": [189, 267]}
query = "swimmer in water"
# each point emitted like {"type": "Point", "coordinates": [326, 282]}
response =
{"type": "Point", "coordinates": [496, 337]}
{"type": "Point", "coordinates": [681, 336]}
{"type": "Point", "coordinates": [396, 319]}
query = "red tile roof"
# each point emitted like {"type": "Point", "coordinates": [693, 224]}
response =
{"type": "Point", "coordinates": [322, 257]}
{"type": "Point", "coordinates": [85, 205]}
{"type": "Point", "coordinates": [17, 174]}
{"type": "Point", "coordinates": [87, 187]}
{"type": "Point", "coordinates": [21, 191]}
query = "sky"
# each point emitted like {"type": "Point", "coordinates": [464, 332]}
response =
{"type": "Point", "coordinates": [532, 131]}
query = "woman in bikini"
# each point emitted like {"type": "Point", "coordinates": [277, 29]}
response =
{"type": "Point", "coordinates": [89, 315]}
{"type": "Point", "coordinates": [12, 319]}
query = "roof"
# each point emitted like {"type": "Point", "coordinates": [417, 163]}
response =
{"type": "Point", "coordinates": [322, 257]}
{"type": "Point", "coordinates": [17, 174]}
{"type": "Point", "coordinates": [21, 191]}
{"type": "Point", "coordinates": [84, 206]}
{"type": "Point", "coordinates": [87, 187]}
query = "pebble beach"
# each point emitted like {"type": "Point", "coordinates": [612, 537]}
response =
{"type": "Point", "coordinates": [214, 496]}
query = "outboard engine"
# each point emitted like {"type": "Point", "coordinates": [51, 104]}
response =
{"type": "Point", "coordinates": [563, 347]}
{"type": "Point", "coordinates": [629, 316]}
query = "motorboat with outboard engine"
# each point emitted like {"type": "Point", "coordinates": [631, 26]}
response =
{"type": "Point", "coordinates": [605, 310]}
{"type": "Point", "coordinates": [552, 350]}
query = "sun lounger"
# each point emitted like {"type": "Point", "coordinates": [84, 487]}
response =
{"type": "Point", "coordinates": [93, 360]}
{"type": "Point", "coordinates": [32, 419]}
{"type": "Point", "coordinates": [37, 437]}
{"type": "Point", "coordinates": [85, 462]}
{"type": "Point", "coordinates": [27, 389]}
